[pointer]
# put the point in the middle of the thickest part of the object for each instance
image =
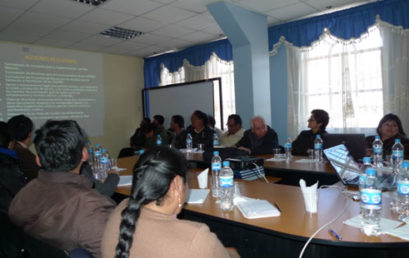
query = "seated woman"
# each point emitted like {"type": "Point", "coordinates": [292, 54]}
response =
{"type": "Point", "coordinates": [305, 140]}
{"type": "Point", "coordinates": [389, 129]}
{"type": "Point", "coordinates": [146, 223]}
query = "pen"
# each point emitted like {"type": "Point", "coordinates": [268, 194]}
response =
{"type": "Point", "coordinates": [332, 232]}
{"type": "Point", "coordinates": [278, 207]}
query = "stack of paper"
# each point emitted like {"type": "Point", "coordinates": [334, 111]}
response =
{"type": "Point", "coordinates": [125, 180]}
{"type": "Point", "coordinates": [254, 208]}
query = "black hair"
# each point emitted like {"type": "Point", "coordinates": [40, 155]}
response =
{"type": "Point", "coordinates": [236, 118]}
{"type": "Point", "coordinates": [211, 121]}
{"type": "Point", "coordinates": [202, 116]}
{"type": "Point", "coordinates": [179, 120]}
{"type": "Point", "coordinates": [152, 177]}
{"type": "Point", "coordinates": [159, 118]}
{"type": "Point", "coordinates": [148, 128]}
{"type": "Point", "coordinates": [391, 117]}
{"type": "Point", "coordinates": [59, 145]}
{"type": "Point", "coordinates": [321, 117]}
{"type": "Point", "coordinates": [20, 127]}
{"type": "Point", "coordinates": [5, 137]}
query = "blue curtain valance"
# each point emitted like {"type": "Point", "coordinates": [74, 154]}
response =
{"type": "Point", "coordinates": [196, 55]}
{"type": "Point", "coordinates": [346, 24]}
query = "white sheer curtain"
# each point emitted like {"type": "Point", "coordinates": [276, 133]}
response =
{"type": "Point", "coordinates": [342, 77]}
{"type": "Point", "coordinates": [214, 67]}
{"type": "Point", "coordinates": [395, 68]}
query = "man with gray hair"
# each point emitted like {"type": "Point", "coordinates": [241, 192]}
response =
{"type": "Point", "coordinates": [260, 139]}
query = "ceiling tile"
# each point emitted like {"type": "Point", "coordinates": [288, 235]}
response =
{"type": "Point", "coordinates": [168, 14]}
{"type": "Point", "coordinates": [175, 44]}
{"type": "Point", "coordinates": [213, 29]}
{"type": "Point", "coordinates": [60, 7]}
{"type": "Point", "coordinates": [19, 37]}
{"type": "Point", "coordinates": [104, 16]}
{"type": "Point", "coordinates": [54, 43]}
{"type": "Point", "coordinates": [67, 35]}
{"type": "Point", "coordinates": [142, 24]}
{"type": "Point", "coordinates": [164, 1]}
{"type": "Point", "coordinates": [198, 22]}
{"type": "Point", "coordinates": [198, 6]}
{"type": "Point", "coordinates": [84, 27]}
{"type": "Point", "coordinates": [150, 39]}
{"type": "Point", "coordinates": [131, 6]}
{"type": "Point", "coordinates": [271, 20]}
{"type": "Point", "coordinates": [266, 5]}
{"type": "Point", "coordinates": [100, 40]}
{"type": "Point", "coordinates": [129, 45]}
{"type": "Point", "coordinates": [199, 36]}
{"type": "Point", "coordinates": [292, 11]}
{"type": "Point", "coordinates": [21, 4]}
{"type": "Point", "coordinates": [173, 31]}
{"type": "Point", "coordinates": [7, 15]}
{"type": "Point", "coordinates": [323, 4]}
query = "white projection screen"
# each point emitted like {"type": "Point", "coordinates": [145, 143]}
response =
{"type": "Point", "coordinates": [49, 83]}
{"type": "Point", "coordinates": [183, 99]}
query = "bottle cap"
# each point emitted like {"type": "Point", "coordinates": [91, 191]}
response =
{"type": "Point", "coordinates": [215, 153]}
{"type": "Point", "coordinates": [405, 164]}
{"type": "Point", "coordinates": [103, 149]}
{"type": "Point", "coordinates": [318, 136]}
{"type": "Point", "coordinates": [397, 140]}
{"type": "Point", "coordinates": [377, 137]}
{"type": "Point", "coordinates": [141, 152]}
{"type": "Point", "coordinates": [226, 163]}
{"type": "Point", "coordinates": [97, 145]}
{"type": "Point", "coordinates": [370, 172]}
{"type": "Point", "coordinates": [366, 159]}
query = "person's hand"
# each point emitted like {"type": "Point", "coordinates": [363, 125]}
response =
{"type": "Point", "coordinates": [245, 149]}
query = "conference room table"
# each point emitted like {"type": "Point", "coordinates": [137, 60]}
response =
{"type": "Point", "coordinates": [285, 235]}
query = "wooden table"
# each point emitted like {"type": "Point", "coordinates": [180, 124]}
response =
{"type": "Point", "coordinates": [284, 236]}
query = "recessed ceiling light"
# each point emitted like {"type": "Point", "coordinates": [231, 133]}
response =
{"type": "Point", "coordinates": [121, 33]}
{"type": "Point", "coordinates": [91, 2]}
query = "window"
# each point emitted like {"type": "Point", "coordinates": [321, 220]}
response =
{"type": "Point", "coordinates": [345, 79]}
{"type": "Point", "coordinates": [214, 67]}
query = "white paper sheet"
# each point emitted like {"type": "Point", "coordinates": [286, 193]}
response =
{"type": "Point", "coordinates": [197, 196]}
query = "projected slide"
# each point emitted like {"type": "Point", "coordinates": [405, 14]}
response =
{"type": "Point", "coordinates": [48, 83]}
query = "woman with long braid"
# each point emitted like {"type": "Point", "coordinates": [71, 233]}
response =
{"type": "Point", "coordinates": [146, 223]}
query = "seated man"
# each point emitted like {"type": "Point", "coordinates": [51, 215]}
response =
{"type": "Point", "coordinates": [177, 124]}
{"type": "Point", "coordinates": [260, 139]}
{"type": "Point", "coordinates": [60, 207]}
{"type": "Point", "coordinates": [21, 129]}
{"type": "Point", "coordinates": [138, 138]}
{"type": "Point", "coordinates": [159, 129]}
{"type": "Point", "coordinates": [200, 131]}
{"type": "Point", "coordinates": [11, 179]}
{"type": "Point", "coordinates": [234, 131]}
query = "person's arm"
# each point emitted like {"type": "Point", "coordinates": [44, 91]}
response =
{"type": "Point", "coordinates": [244, 141]}
{"type": "Point", "coordinates": [206, 244]}
{"type": "Point", "coordinates": [108, 186]}
{"type": "Point", "coordinates": [93, 213]}
{"type": "Point", "coordinates": [299, 145]}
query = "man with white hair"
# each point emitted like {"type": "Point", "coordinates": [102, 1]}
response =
{"type": "Point", "coordinates": [260, 139]}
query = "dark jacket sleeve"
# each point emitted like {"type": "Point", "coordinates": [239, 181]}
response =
{"type": "Point", "coordinates": [245, 140]}
{"type": "Point", "coordinates": [270, 142]}
{"type": "Point", "coordinates": [107, 187]}
{"type": "Point", "coordinates": [300, 144]}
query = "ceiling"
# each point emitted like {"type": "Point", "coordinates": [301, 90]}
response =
{"type": "Point", "coordinates": [167, 24]}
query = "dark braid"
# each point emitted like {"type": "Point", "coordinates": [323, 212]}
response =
{"type": "Point", "coordinates": [152, 176]}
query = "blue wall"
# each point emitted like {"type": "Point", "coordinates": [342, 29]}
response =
{"type": "Point", "coordinates": [279, 90]}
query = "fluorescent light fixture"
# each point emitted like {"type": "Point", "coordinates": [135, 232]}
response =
{"type": "Point", "coordinates": [121, 33]}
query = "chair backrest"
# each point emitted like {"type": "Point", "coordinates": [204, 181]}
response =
{"type": "Point", "coordinates": [14, 243]}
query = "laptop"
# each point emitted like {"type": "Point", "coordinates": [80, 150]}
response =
{"type": "Point", "coordinates": [355, 143]}
{"type": "Point", "coordinates": [347, 169]}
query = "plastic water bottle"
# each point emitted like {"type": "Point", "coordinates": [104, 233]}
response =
{"type": "Point", "coordinates": [287, 148]}
{"type": "Point", "coordinates": [216, 167]}
{"type": "Point", "coordinates": [90, 150]}
{"type": "Point", "coordinates": [397, 155]}
{"type": "Point", "coordinates": [139, 152]}
{"type": "Point", "coordinates": [189, 142]}
{"type": "Point", "coordinates": [226, 179]}
{"type": "Point", "coordinates": [97, 154]}
{"type": "Point", "coordinates": [158, 140]}
{"type": "Point", "coordinates": [377, 150]}
{"type": "Point", "coordinates": [362, 176]}
{"type": "Point", "coordinates": [403, 192]}
{"type": "Point", "coordinates": [105, 164]}
{"type": "Point", "coordinates": [371, 204]}
{"type": "Point", "coordinates": [318, 148]}
{"type": "Point", "coordinates": [215, 140]}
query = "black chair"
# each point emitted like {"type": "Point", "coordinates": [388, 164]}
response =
{"type": "Point", "coordinates": [14, 243]}
{"type": "Point", "coordinates": [128, 152]}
